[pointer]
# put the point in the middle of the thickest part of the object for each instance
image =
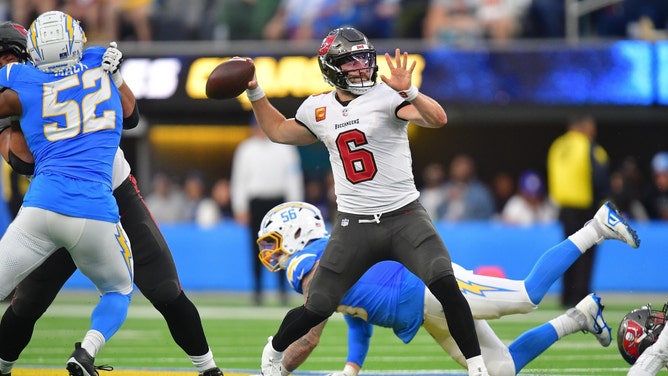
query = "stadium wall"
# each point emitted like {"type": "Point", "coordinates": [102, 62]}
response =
{"type": "Point", "coordinates": [218, 258]}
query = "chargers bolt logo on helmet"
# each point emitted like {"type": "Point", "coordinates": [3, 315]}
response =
{"type": "Point", "coordinates": [55, 41]}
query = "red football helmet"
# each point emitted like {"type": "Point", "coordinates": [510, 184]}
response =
{"type": "Point", "coordinates": [638, 330]}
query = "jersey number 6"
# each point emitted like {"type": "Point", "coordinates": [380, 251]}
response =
{"type": "Point", "coordinates": [358, 163]}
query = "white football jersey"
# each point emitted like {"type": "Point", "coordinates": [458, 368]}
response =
{"type": "Point", "coordinates": [368, 149]}
{"type": "Point", "coordinates": [121, 169]}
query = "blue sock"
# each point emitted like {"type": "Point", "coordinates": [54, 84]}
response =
{"type": "Point", "coordinates": [532, 343]}
{"type": "Point", "coordinates": [110, 313]}
{"type": "Point", "coordinates": [549, 267]}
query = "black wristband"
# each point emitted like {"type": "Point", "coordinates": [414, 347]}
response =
{"type": "Point", "coordinates": [20, 166]}
{"type": "Point", "coordinates": [132, 120]}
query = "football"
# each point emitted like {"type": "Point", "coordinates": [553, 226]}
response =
{"type": "Point", "coordinates": [229, 79]}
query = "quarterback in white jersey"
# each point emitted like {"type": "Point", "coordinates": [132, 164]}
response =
{"type": "Point", "coordinates": [364, 127]}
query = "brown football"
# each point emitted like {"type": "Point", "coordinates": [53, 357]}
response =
{"type": "Point", "coordinates": [229, 79]}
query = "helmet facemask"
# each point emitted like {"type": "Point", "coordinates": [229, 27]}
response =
{"type": "Point", "coordinates": [272, 254]}
{"type": "Point", "coordinates": [348, 46]}
{"type": "Point", "coordinates": [638, 330]}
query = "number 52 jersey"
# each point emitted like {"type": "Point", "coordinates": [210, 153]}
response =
{"type": "Point", "coordinates": [72, 122]}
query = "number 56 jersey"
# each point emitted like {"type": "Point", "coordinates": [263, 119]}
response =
{"type": "Point", "coordinates": [368, 148]}
{"type": "Point", "coordinates": [72, 122]}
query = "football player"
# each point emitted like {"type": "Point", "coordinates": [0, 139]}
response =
{"type": "Point", "coordinates": [364, 126]}
{"type": "Point", "coordinates": [293, 238]}
{"type": "Point", "coordinates": [72, 117]}
{"type": "Point", "coordinates": [155, 271]}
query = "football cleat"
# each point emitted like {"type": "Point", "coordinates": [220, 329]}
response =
{"type": "Point", "coordinates": [212, 372]}
{"type": "Point", "coordinates": [589, 314]}
{"type": "Point", "coordinates": [81, 363]}
{"type": "Point", "coordinates": [271, 360]}
{"type": "Point", "coordinates": [612, 225]}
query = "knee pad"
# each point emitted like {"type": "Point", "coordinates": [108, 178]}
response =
{"type": "Point", "coordinates": [321, 304]}
{"type": "Point", "coordinates": [163, 293]}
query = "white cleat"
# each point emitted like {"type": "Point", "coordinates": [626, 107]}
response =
{"type": "Point", "coordinates": [271, 360]}
{"type": "Point", "coordinates": [612, 225]}
{"type": "Point", "coordinates": [589, 314]}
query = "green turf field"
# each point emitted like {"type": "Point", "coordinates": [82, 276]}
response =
{"type": "Point", "coordinates": [237, 333]}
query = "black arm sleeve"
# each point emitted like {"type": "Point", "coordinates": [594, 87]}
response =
{"type": "Point", "coordinates": [20, 166]}
{"type": "Point", "coordinates": [132, 120]}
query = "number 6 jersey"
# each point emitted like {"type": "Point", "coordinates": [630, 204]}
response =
{"type": "Point", "coordinates": [368, 148]}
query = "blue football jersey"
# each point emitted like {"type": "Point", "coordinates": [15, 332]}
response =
{"type": "Point", "coordinates": [72, 122]}
{"type": "Point", "coordinates": [387, 295]}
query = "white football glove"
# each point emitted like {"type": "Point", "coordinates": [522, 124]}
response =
{"type": "Point", "coordinates": [111, 62]}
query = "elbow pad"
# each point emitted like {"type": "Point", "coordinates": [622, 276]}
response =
{"type": "Point", "coordinates": [20, 166]}
{"type": "Point", "coordinates": [132, 120]}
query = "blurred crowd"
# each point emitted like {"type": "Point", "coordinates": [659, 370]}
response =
{"type": "Point", "coordinates": [441, 21]}
{"type": "Point", "coordinates": [451, 193]}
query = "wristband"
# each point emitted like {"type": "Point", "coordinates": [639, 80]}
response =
{"type": "Point", "coordinates": [348, 369]}
{"type": "Point", "coordinates": [409, 94]}
{"type": "Point", "coordinates": [255, 94]}
{"type": "Point", "coordinates": [117, 78]}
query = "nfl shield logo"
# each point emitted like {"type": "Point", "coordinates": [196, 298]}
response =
{"type": "Point", "coordinates": [344, 222]}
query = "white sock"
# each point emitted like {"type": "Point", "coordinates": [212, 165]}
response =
{"type": "Point", "coordinates": [586, 237]}
{"type": "Point", "coordinates": [475, 364]}
{"type": "Point", "coordinates": [93, 342]}
{"type": "Point", "coordinates": [6, 366]}
{"type": "Point", "coordinates": [203, 362]}
{"type": "Point", "coordinates": [565, 325]}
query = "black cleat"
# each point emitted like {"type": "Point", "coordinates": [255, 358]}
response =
{"type": "Point", "coordinates": [81, 363]}
{"type": "Point", "coordinates": [212, 372]}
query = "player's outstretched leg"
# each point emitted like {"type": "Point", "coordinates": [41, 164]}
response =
{"type": "Point", "coordinates": [612, 225]}
{"type": "Point", "coordinates": [589, 313]}
{"type": "Point", "coordinates": [586, 316]}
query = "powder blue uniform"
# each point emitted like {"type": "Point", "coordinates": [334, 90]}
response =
{"type": "Point", "coordinates": [387, 295]}
{"type": "Point", "coordinates": [68, 176]}
{"type": "Point", "coordinates": [72, 121]}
